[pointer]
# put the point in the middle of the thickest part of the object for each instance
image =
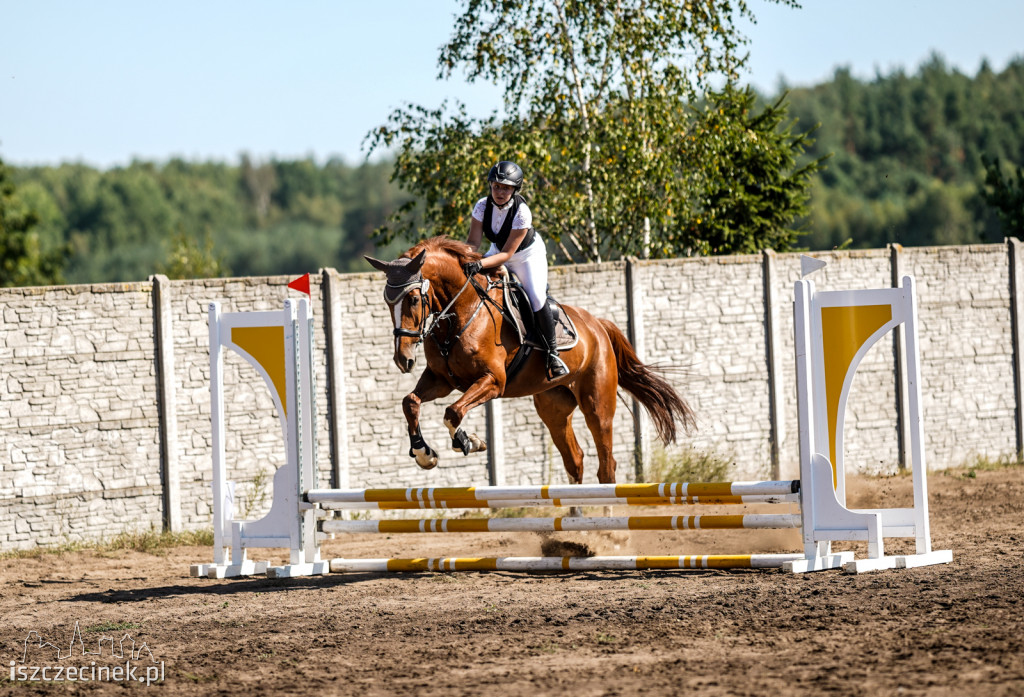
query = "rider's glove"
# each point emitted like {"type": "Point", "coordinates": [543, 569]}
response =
{"type": "Point", "coordinates": [472, 268]}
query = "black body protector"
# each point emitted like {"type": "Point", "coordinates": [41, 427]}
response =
{"type": "Point", "coordinates": [501, 238]}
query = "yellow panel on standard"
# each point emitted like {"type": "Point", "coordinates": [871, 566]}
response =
{"type": "Point", "coordinates": [844, 330]}
{"type": "Point", "coordinates": [266, 346]}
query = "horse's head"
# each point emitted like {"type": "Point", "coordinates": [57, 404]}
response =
{"type": "Point", "coordinates": [407, 293]}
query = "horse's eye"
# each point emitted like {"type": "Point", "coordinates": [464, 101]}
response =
{"type": "Point", "coordinates": [414, 300]}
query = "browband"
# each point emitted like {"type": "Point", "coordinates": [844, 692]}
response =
{"type": "Point", "coordinates": [394, 294]}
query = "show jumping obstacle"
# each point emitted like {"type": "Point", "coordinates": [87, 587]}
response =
{"type": "Point", "coordinates": [834, 330]}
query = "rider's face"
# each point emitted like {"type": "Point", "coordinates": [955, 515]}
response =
{"type": "Point", "coordinates": [501, 193]}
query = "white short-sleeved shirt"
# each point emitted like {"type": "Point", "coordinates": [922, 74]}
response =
{"type": "Point", "coordinates": [523, 219]}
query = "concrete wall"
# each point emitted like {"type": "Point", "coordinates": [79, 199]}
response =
{"type": "Point", "coordinates": [105, 404]}
{"type": "Point", "coordinates": [80, 453]}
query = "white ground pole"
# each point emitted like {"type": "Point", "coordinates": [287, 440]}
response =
{"type": "Point", "coordinates": [834, 330]}
{"type": "Point", "coordinates": [278, 344]}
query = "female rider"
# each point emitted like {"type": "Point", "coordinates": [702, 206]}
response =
{"type": "Point", "coordinates": [505, 220]}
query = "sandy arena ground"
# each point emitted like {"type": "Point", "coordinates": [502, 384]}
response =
{"type": "Point", "coordinates": [945, 630]}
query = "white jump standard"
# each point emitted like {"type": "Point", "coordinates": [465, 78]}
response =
{"type": "Point", "coordinates": [279, 346]}
{"type": "Point", "coordinates": [834, 330]}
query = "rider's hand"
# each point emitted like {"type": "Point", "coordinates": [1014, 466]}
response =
{"type": "Point", "coordinates": [472, 268]}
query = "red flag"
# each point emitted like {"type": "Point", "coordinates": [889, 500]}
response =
{"type": "Point", "coordinates": [301, 284]}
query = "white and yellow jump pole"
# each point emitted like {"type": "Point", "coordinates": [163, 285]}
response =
{"type": "Point", "coordinates": [535, 564]}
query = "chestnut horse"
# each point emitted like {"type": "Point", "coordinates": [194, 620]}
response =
{"type": "Point", "coordinates": [469, 343]}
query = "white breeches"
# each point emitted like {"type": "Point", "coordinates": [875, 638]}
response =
{"type": "Point", "coordinates": [530, 265]}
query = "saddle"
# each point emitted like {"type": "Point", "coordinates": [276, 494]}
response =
{"type": "Point", "coordinates": [516, 305]}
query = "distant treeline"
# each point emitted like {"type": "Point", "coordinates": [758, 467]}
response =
{"type": "Point", "coordinates": [908, 166]}
{"type": "Point", "coordinates": [907, 154]}
{"type": "Point", "coordinates": [274, 217]}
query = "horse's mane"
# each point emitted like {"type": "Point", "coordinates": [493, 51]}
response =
{"type": "Point", "coordinates": [461, 252]}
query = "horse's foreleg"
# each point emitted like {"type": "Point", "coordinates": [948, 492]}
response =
{"type": "Point", "coordinates": [428, 388]}
{"type": "Point", "coordinates": [483, 390]}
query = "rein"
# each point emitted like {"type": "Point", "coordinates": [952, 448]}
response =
{"type": "Point", "coordinates": [485, 298]}
{"type": "Point", "coordinates": [444, 315]}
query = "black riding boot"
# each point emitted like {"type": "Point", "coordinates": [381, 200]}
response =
{"type": "Point", "coordinates": [545, 321]}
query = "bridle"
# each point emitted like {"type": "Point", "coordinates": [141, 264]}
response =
{"type": "Point", "coordinates": [394, 299]}
{"type": "Point", "coordinates": [395, 294]}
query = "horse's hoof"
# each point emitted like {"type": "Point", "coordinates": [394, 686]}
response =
{"type": "Point", "coordinates": [426, 459]}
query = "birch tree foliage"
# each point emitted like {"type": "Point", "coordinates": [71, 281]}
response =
{"type": "Point", "coordinates": [598, 111]}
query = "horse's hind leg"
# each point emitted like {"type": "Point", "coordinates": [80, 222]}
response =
{"type": "Point", "coordinates": [598, 407]}
{"type": "Point", "coordinates": [555, 408]}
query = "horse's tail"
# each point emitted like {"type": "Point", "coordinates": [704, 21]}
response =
{"type": "Point", "coordinates": [659, 398]}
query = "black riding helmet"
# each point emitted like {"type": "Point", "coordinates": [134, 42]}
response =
{"type": "Point", "coordinates": [508, 173]}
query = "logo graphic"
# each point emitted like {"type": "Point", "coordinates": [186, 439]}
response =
{"type": "Point", "coordinates": [110, 659]}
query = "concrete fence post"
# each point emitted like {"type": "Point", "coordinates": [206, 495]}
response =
{"type": "Point", "coordinates": [336, 405]}
{"type": "Point", "coordinates": [170, 478]}
{"type": "Point", "coordinates": [772, 341]}
{"type": "Point", "coordinates": [899, 353]}
{"type": "Point", "coordinates": [1013, 246]}
{"type": "Point", "coordinates": [641, 423]}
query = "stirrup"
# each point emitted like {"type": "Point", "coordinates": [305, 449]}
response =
{"type": "Point", "coordinates": [556, 367]}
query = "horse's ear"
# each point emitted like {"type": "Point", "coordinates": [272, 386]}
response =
{"type": "Point", "coordinates": [378, 264]}
{"type": "Point", "coordinates": [416, 264]}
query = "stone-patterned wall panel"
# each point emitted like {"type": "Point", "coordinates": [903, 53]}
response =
{"type": "Point", "coordinates": [79, 415]}
{"type": "Point", "coordinates": [600, 289]}
{"type": "Point", "coordinates": [966, 352]}
{"type": "Point", "coordinates": [378, 436]}
{"type": "Point", "coordinates": [703, 321]}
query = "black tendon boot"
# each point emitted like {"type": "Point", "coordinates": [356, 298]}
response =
{"type": "Point", "coordinates": [545, 322]}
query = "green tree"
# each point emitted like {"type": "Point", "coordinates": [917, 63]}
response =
{"type": "Point", "coordinates": [194, 219]}
{"type": "Point", "coordinates": [910, 153]}
{"type": "Point", "coordinates": [192, 258]}
{"type": "Point", "coordinates": [751, 194]}
{"type": "Point", "coordinates": [598, 95]}
{"type": "Point", "coordinates": [23, 261]}
{"type": "Point", "coordinates": [1006, 196]}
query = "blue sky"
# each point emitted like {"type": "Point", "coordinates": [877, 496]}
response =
{"type": "Point", "coordinates": [103, 82]}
